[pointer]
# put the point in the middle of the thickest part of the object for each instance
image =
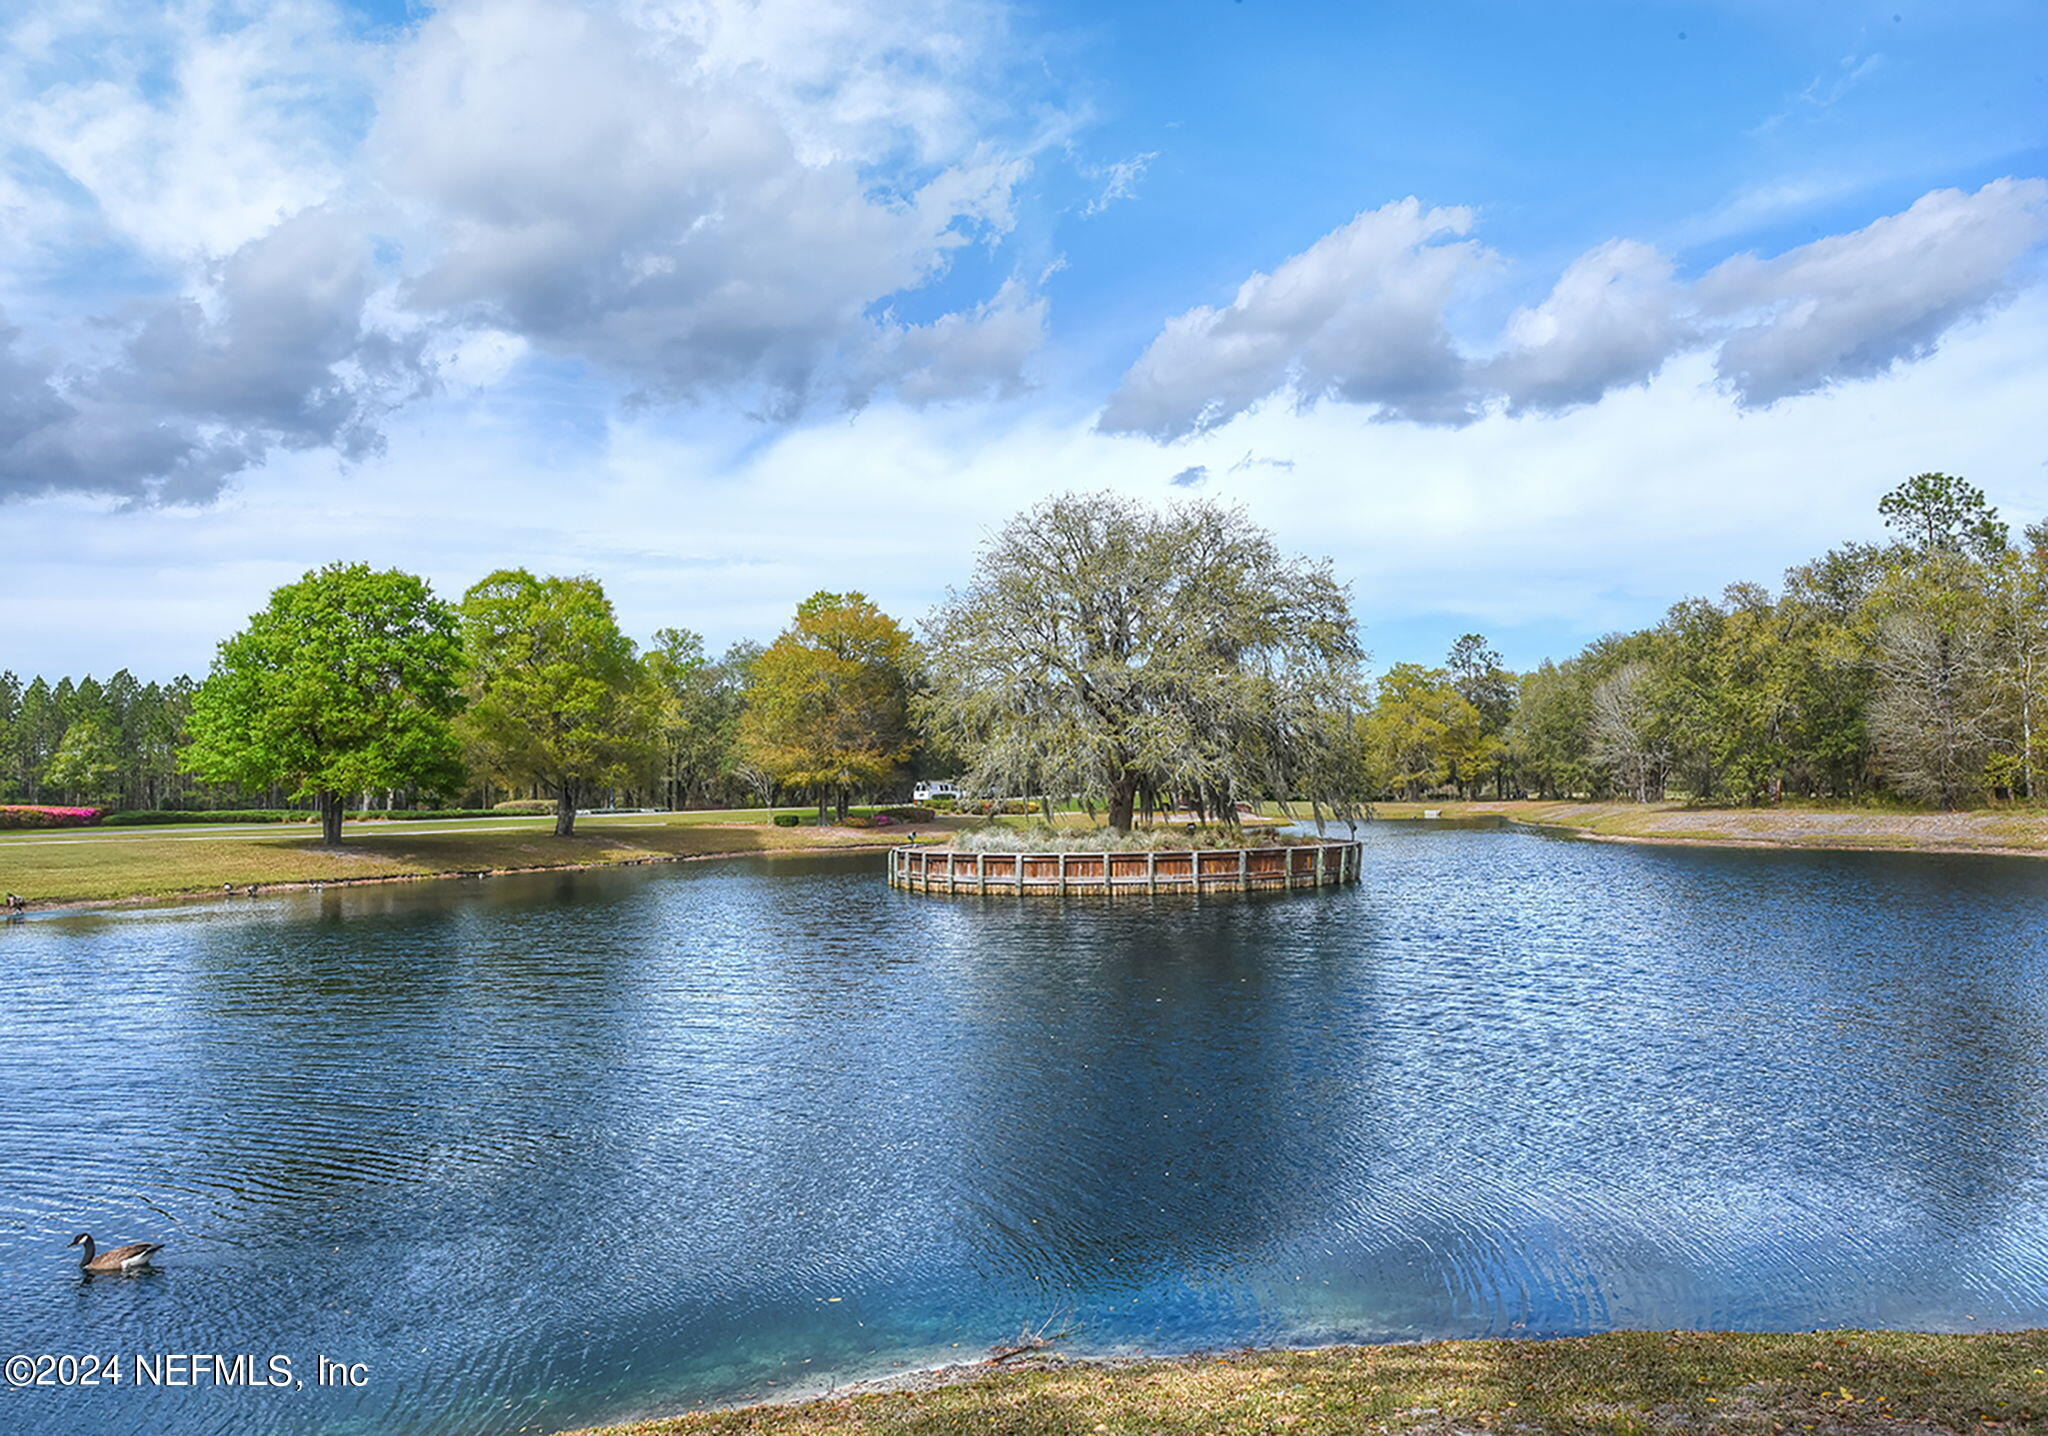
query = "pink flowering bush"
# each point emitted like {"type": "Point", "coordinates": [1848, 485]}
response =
{"type": "Point", "coordinates": [38, 815]}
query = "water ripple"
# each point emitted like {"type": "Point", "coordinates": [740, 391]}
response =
{"type": "Point", "coordinates": [582, 1146]}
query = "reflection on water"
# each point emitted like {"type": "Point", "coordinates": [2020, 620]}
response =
{"type": "Point", "coordinates": [553, 1149]}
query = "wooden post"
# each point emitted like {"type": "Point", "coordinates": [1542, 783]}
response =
{"type": "Point", "coordinates": [1152, 872]}
{"type": "Point", "coordinates": [1020, 874]}
{"type": "Point", "coordinates": [1244, 868]}
{"type": "Point", "coordinates": [1320, 851]}
{"type": "Point", "coordinates": [981, 872]}
{"type": "Point", "coordinates": [1063, 874]}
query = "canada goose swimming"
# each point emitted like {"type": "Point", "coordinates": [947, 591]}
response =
{"type": "Point", "coordinates": [133, 1257]}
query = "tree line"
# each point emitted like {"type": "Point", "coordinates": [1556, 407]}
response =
{"type": "Point", "coordinates": [1149, 659]}
{"type": "Point", "coordinates": [1155, 659]}
{"type": "Point", "coordinates": [359, 688]}
{"type": "Point", "coordinates": [1915, 669]}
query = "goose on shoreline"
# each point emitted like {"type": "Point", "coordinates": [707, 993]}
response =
{"type": "Point", "coordinates": [132, 1257]}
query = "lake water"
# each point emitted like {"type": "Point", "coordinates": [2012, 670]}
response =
{"type": "Point", "coordinates": [547, 1150]}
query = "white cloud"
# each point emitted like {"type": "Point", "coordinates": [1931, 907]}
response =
{"type": "Point", "coordinates": [1360, 316]}
{"type": "Point", "coordinates": [1853, 305]}
{"type": "Point", "coordinates": [690, 198]}
{"type": "Point", "coordinates": [191, 129]}
{"type": "Point", "coordinates": [964, 355]}
{"type": "Point", "coordinates": [1572, 524]}
{"type": "Point", "coordinates": [1119, 181]}
{"type": "Point", "coordinates": [1612, 320]}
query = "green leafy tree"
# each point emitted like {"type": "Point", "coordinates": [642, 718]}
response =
{"type": "Point", "coordinates": [1476, 672]}
{"type": "Point", "coordinates": [10, 723]}
{"type": "Point", "coordinates": [344, 683]}
{"type": "Point", "coordinates": [1935, 513]}
{"type": "Point", "coordinates": [828, 708]}
{"type": "Point", "coordinates": [701, 699]}
{"type": "Point", "coordinates": [1419, 731]}
{"type": "Point", "coordinates": [87, 764]}
{"type": "Point", "coordinates": [38, 728]}
{"type": "Point", "coordinates": [558, 696]}
{"type": "Point", "coordinates": [1834, 670]}
{"type": "Point", "coordinates": [1551, 729]}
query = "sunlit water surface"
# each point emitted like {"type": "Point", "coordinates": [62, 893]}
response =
{"type": "Point", "coordinates": [547, 1150]}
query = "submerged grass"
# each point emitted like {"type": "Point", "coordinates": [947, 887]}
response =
{"type": "Point", "coordinates": [1615, 1384]}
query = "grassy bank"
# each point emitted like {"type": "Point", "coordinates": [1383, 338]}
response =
{"type": "Point", "coordinates": [1621, 1382]}
{"type": "Point", "coordinates": [74, 866]}
{"type": "Point", "coordinates": [1988, 830]}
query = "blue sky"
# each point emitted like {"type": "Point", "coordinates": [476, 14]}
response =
{"type": "Point", "coordinates": [1533, 318]}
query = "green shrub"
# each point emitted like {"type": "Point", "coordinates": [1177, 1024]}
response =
{"type": "Point", "coordinates": [154, 817]}
{"type": "Point", "coordinates": [858, 820]}
{"type": "Point", "coordinates": [908, 814]}
{"type": "Point", "coordinates": [787, 820]}
{"type": "Point", "coordinates": [535, 806]}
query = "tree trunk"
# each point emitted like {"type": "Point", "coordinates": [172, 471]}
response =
{"type": "Point", "coordinates": [1123, 797]}
{"type": "Point", "coordinates": [839, 806]}
{"type": "Point", "coordinates": [565, 810]}
{"type": "Point", "coordinates": [329, 805]}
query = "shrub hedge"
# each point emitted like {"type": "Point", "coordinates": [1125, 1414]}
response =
{"type": "Point", "coordinates": [908, 814]}
{"type": "Point", "coordinates": [151, 817]}
{"type": "Point", "coordinates": [787, 820]}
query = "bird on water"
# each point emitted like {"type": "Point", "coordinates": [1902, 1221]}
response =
{"type": "Point", "coordinates": [132, 1257]}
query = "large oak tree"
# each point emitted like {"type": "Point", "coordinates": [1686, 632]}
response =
{"type": "Point", "coordinates": [344, 683]}
{"type": "Point", "coordinates": [1109, 648]}
{"type": "Point", "coordinates": [557, 695]}
{"type": "Point", "coordinates": [828, 706]}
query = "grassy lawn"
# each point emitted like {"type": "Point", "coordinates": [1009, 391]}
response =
{"type": "Point", "coordinates": [76, 865]}
{"type": "Point", "coordinates": [1802, 825]}
{"type": "Point", "coordinates": [1648, 1382]}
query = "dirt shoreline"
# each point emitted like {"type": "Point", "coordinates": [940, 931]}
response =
{"type": "Point", "coordinates": [1992, 833]}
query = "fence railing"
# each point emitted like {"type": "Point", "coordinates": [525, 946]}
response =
{"type": "Point", "coordinates": [1305, 865]}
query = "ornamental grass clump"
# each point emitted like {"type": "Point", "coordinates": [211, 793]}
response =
{"type": "Point", "coordinates": [40, 815]}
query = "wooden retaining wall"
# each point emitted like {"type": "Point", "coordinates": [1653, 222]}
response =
{"type": "Point", "coordinates": [1308, 865]}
